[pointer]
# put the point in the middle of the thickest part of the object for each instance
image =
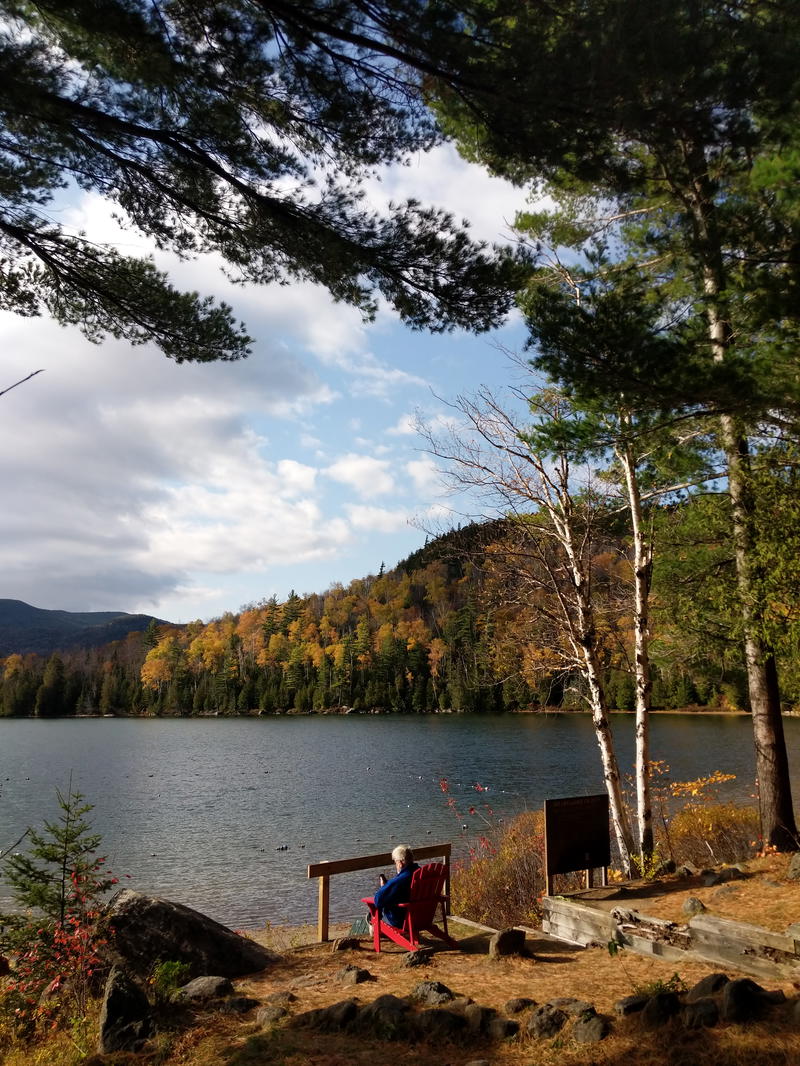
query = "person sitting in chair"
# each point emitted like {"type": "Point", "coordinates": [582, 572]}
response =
{"type": "Point", "coordinates": [398, 888]}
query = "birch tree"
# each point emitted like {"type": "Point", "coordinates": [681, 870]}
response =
{"type": "Point", "coordinates": [676, 113]}
{"type": "Point", "coordinates": [552, 513]}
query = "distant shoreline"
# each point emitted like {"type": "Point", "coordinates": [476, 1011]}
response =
{"type": "Point", "coordinates": [545, 712]}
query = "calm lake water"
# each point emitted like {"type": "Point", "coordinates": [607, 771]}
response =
{"type": "Point", "coordinates": [196, 810]}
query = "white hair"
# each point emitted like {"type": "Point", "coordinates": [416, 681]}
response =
{"type": "Point", "coordinates": [402, 853]}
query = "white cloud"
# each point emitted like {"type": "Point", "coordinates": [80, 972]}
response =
{"type": "Point", "coordinates": [296, 477]}
{"type": "Point", "coordinates": [442, 178]}
{"type": "Point", "coordinates": [377, 519]}
{"type": "Point", "coordinates": [426, 476]}
{"type": "Point", "coordinates": [406, 426]}
{"type": "Point", "coordinates": [367, 475]}
{"type": "Point", "coordinates": [123, 472]}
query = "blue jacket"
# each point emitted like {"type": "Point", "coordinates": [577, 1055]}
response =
{"type": "Point", "coordinates": [396, 890]}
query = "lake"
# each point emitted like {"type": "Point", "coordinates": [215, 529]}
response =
{"type": "Point", "coordinates": [225, 814]}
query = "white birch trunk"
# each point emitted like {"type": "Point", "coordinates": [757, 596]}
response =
{"type": "Point", "coordinates": [584, 643]}
{"type": "Point", "coordinates": [642, 572]}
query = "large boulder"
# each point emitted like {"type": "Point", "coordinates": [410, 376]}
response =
{"type": "Point", "coordinates": [126, 1021]}
{"type": "Point", "coordinates": [142, 930]}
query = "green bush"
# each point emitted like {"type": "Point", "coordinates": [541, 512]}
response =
{"type": "Point", "coordinates": [167, 977]}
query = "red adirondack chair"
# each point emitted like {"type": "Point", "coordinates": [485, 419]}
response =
{"type": "Point", "coordinates": [427, 885]}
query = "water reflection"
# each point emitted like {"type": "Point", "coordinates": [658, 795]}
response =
{"type": "Point", "coordinates": [225, 814]}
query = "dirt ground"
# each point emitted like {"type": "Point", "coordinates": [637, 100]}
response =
{"type": "Point", "coordinates": [764, 897]}
{"type": "Point", "coordinates": [550, 969]}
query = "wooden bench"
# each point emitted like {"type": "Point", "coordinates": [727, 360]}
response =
{"type": "Point", "coordinates": [326, 870]}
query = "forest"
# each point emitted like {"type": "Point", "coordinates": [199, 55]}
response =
{"type": "Point", "coordinates": [438, 633]}
{"type": "Point", "coordinates": [640, 486]}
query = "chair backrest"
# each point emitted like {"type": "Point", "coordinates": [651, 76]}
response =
{"type": "Point", "coordinates": [427, 886]}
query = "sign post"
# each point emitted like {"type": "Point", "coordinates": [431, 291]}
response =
{"type": "Point", "coordinates": [576, 837]}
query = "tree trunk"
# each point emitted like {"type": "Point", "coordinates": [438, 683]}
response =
{"type": "Point", "coordinates": [642, 573]}
{"type": "Point", "coordinates": [584, 644]}
{"type": "Point", "coordinates": [778, 826]}
{"type": "Point", "coordinates": [772, 766]}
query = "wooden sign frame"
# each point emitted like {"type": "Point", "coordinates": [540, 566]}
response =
{"type": "Point", "coordinates": [576, 837]}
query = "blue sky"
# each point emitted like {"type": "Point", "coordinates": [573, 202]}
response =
{"type": "Point", "coordinates": [134, 484]}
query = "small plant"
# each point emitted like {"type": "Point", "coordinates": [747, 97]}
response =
{"type": "Point", "coordinates": [502, 880]}
{"type": "Point", "coordinates": [167, 977]}
{"type": "Point", "coordinates": [675, 983]}
{"type": "Point", "coordinates": [647, 867]}
{"type": "Point", "coordinates": [56, 946]}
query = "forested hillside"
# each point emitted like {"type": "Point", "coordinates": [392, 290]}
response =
{"type": "Point", "coordinates": [24, 628]}
{"type": "Point", "coordinates": [440, 631]}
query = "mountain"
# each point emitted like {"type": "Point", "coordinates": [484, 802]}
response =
{"type": "Point", "coordinates": [26, 629]}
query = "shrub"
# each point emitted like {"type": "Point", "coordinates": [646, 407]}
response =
{"type": "Point", "coordinates": [503, 878]}
{"type": "Point", "coordinates": [167, 977]}
{"type": "Point", "coordinates": [711, 832]}
{"type": "Point", "coordinates": [57, 950]}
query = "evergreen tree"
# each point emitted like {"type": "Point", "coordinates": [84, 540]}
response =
{"type": "Point", "coordinates": [61, 865]}
{"type": "Point", "coordinates": [50, 696]}
{"type": "Point", "coordinates": [673, 114]}
{"type": "Point", "coordinates": [240, 128]}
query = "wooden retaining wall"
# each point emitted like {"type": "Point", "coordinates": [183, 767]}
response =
{"type": "Point", "coordinates": [748, 948]}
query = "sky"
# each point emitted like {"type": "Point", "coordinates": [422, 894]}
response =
{"type": "Point", "coordinates": [134, 484]}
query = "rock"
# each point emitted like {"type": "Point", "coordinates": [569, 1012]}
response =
{"type": "Point", "coordinates": [282, 999]}
{"type": "Point", "coordinates": [793, 870]}
{"type": "Point", "coordinates": [794, 930]}
{"type": "Point", "coordinates": [461, 1003]}
{"type": "Point", "coordinates": [478, 1017]}
{"type": "Point", "coordinates": [507, 942]}
{"type": "Point", "coordinates": [727, 892]}
{"type": "Point", "coordinates": [419, 957]}
{"type": "Point", "coordinates": [723, 875]}
{"type": "Point", "coordinates": [630, 1005]}
{"type": "Point", "coordinates": [126, 1021]}
{"type": "Point", "coordinates": [432, 993]}
{"type": "Point", "coordinates": [478, 1062]}
{"type": "Point", "coordinates": [546, 1021]}
{"type": "Point", "coordinates": [387, 1017]}
{"type": "Point", "coordinates": [571, 1006]}
{"type": "Point", "coordinates": [707, 986]}
{"type": "Point", "coordinates": [502, 1029]}
{"type": "Point", "coordinates": [796, 1013]}
{"type": "Point", "coordinates": [142, 930]}
{"type": "Point", "coordinates": [271, 1014]}
{"type": "Point", "coordinates": [590, 1027]}
{"type": "Point", "coordinates": [693, 906]}
{"type": "Point", "coordinates": [346, 943]}
{"type": "Point", "coordinates": [440, 1024]}
{"type": "Point", "coordinates": [238, 1004]}
{"type": "Point", "coordinates": [700, 1013]}
{"type": "Point", "coordinates": [205, 988]}
{"type": "Point", "coordinates": [688, 869]}
{"type": "Point", "coordinates": [353, 975]}
{"type": "Point", "coordinates": [659, 1009]}
{"type": "Point", "coordinates": [743, 1000]}
{"type": "Point", "coordinates": [330, 1019]}
{"type": "Point", "coordinates": [518, 1004]}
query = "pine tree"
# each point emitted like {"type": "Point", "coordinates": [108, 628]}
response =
{"type": "Point", "coordinates": [61, 865]}
{"type": "Point", "coordinates": [244, 129]}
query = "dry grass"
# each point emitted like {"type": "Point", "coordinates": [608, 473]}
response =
{"type": "Point", "coordinates": [765, 897]}
{"type": "Point", "coordinates": [309, 970]}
